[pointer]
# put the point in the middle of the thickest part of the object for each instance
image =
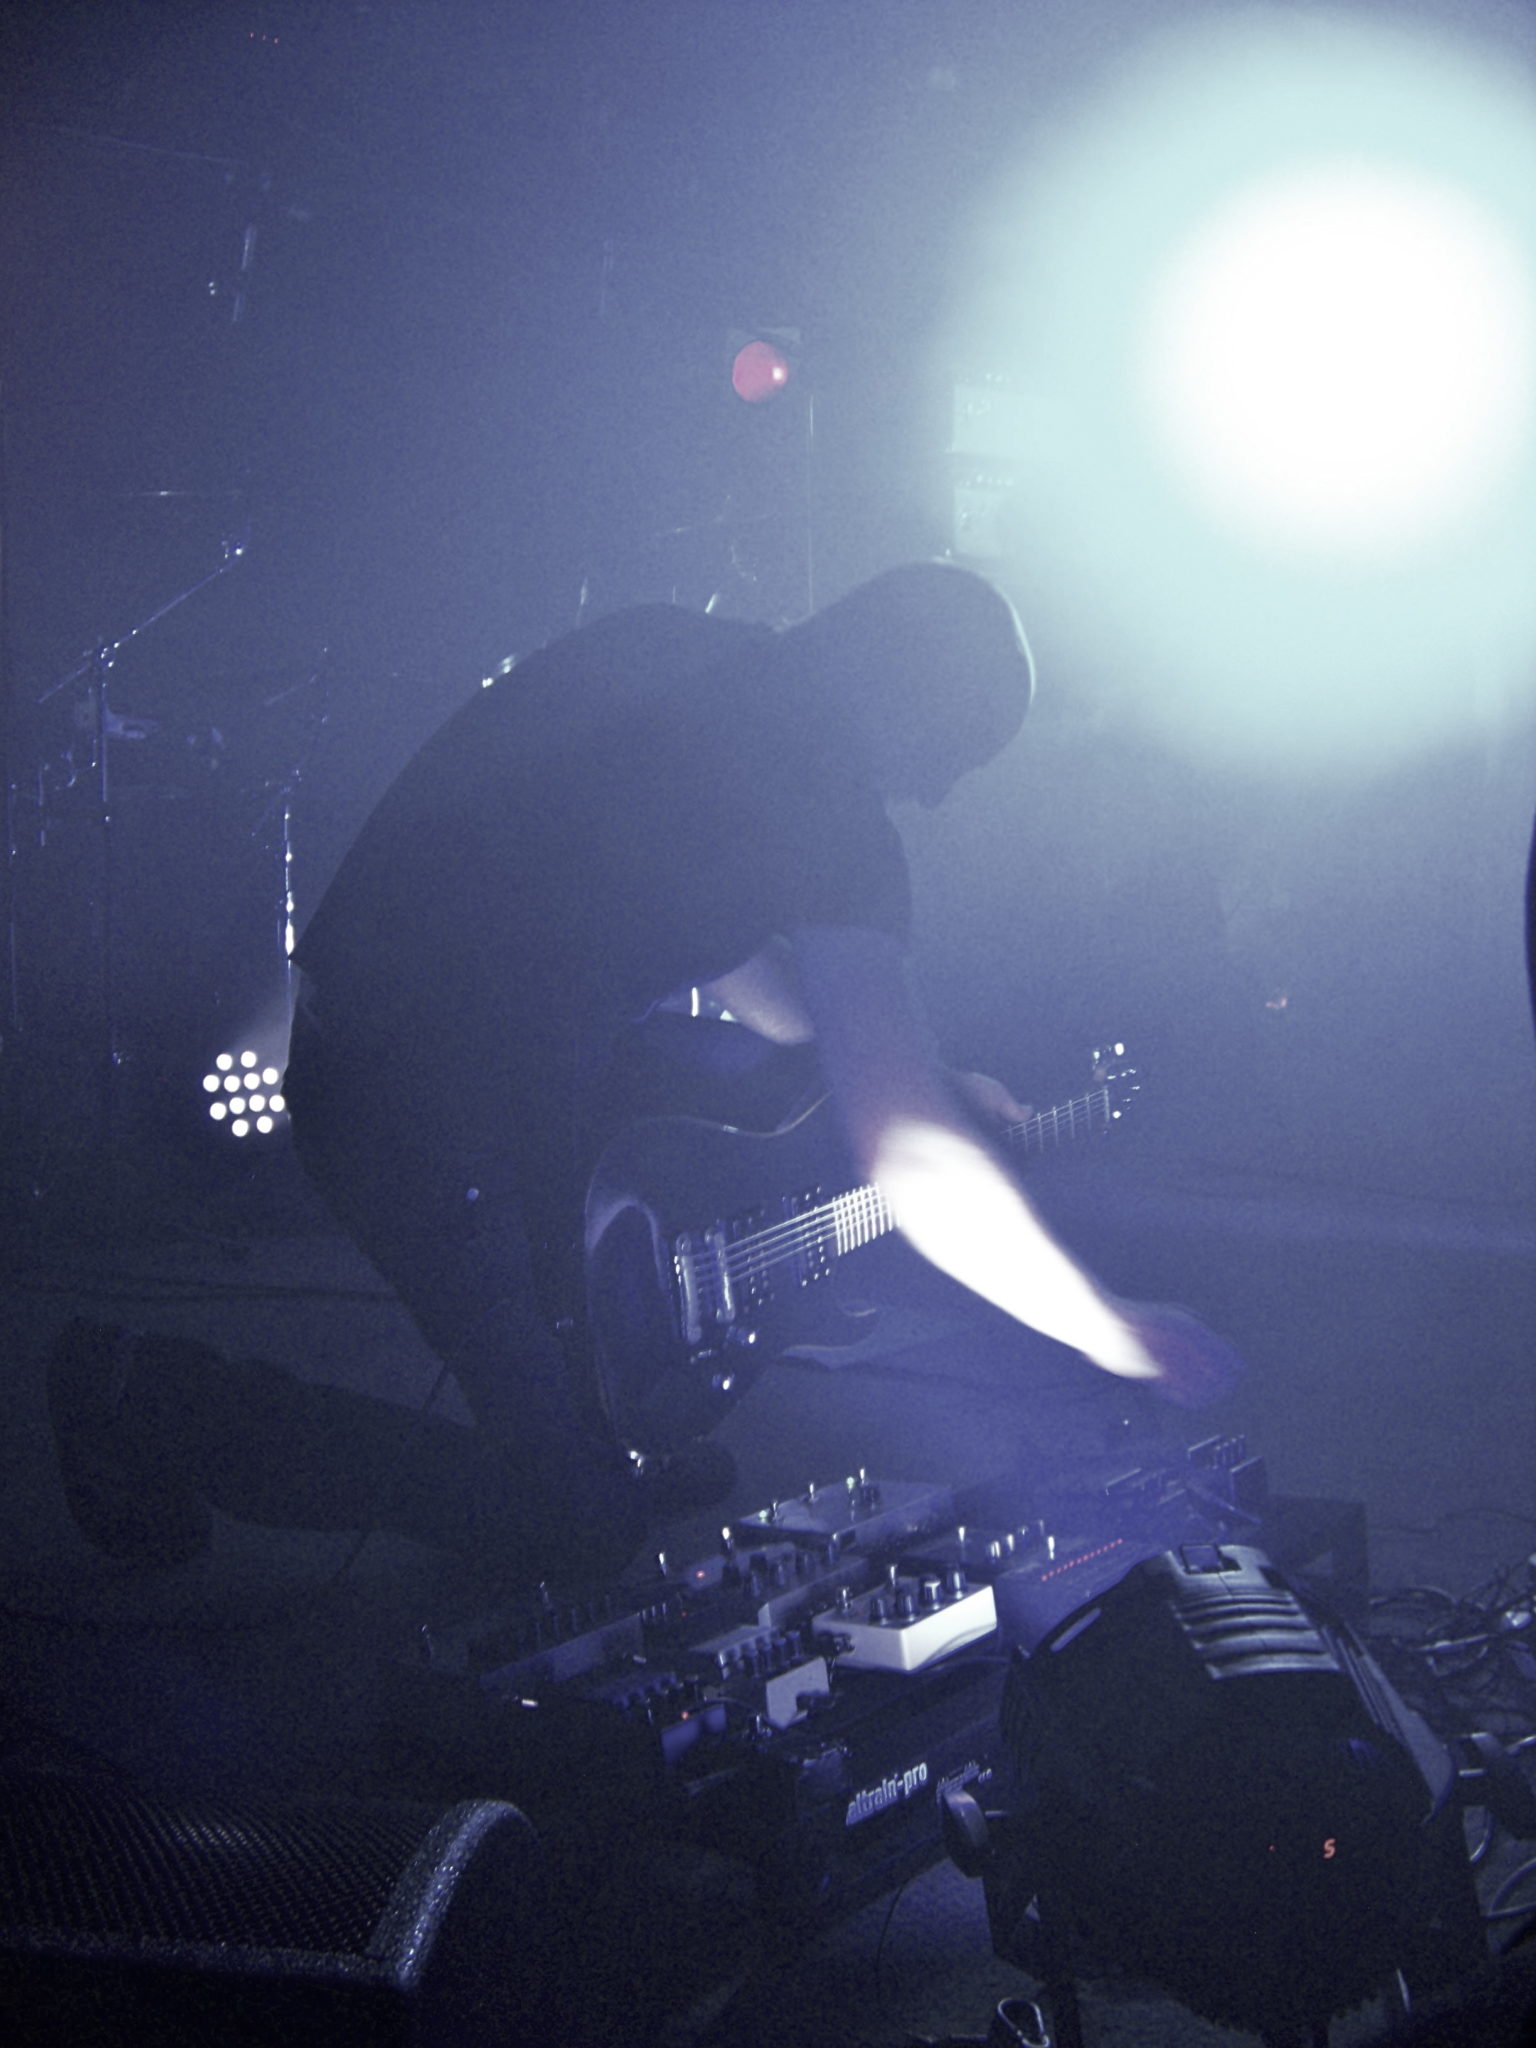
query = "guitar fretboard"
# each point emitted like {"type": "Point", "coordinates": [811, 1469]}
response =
{"type": "Point", "coordinates": [833, 1228]}
{"type": "Point", "coordinates": [1079, 1118]}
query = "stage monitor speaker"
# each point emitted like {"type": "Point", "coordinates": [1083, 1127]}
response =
{"type": "Point", "coordinates": [128, 1920]}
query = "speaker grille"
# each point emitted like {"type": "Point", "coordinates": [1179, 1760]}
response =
{"type": "Point", "coordinates": [80, 1857]}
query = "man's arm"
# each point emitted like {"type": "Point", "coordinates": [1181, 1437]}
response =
{"type": "Point", "coordinates": [764, 994]}
{"type": "Point", "coordinates": [952, 1196]}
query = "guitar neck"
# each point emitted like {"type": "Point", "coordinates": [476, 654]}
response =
{"type": "Point", "coordinates": [1083, 1117]}
{"type": "Point", "coordinates": [863, 1214]}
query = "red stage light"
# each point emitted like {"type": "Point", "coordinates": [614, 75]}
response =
{"type": "Point", "coordinates": [760, 371]}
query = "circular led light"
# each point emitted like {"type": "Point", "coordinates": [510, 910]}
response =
{"type": "Point", "coordinates": [243, 1088]}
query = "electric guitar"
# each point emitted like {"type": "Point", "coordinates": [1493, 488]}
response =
{"type": "Point", "coordinates": [701, 1269]}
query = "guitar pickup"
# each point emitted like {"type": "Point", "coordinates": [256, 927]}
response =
{"type": "Point", "coordinates": [705, 1290]}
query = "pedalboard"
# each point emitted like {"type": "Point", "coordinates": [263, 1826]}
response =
{"type": "Point", "coordinates": [807, 1690]}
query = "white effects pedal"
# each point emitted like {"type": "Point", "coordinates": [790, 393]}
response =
{"type": "Point", "coordinates": [907, 1623]}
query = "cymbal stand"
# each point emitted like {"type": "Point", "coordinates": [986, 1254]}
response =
{"type": "Point", "coordinates": [279, 810]}
{"type": "Point", "coordinates": [10, 1014]}
{"type": "Point", "coordinates": [104, 724]}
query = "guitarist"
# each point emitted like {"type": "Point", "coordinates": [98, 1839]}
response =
{"type": "Point", "coordinates": [661, 801]}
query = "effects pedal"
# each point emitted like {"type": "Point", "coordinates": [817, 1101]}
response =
{"type": "Point", "coordinates": [854, 1513]}
{"type": "Point", "coordinates": [905, 1624]}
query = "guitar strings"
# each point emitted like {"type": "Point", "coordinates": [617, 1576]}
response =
{"type": "Point", "coordinates": [772, 1241]}
{"type": "Point", "coordinates": [865, 1209]}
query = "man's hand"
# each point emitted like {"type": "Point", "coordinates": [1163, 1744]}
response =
{"type": "Point", "coordinates": [1192, 1365]}
{"type": "Point", "coordinates": [911, 1132]}
{"type": "Point", "coordinates": [989, 1098]}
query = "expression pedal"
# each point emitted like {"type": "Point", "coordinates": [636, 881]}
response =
{"type": "Point", "coordinates": [905, 1624]}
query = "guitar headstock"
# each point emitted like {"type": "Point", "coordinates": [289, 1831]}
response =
{"type": "Point", "coordinates": [1116, 1074]}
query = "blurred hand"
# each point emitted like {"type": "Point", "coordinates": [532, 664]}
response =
{"type": "Point", "coordinates": [1194, 1366]}
{"type": "Point", "coordinates": [990, 1099]}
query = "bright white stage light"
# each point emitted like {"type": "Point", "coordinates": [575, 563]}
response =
{"type": "Point", "coordinates": [1339, 358]}
{"type": "Point", "coordinates": [1264, 307]}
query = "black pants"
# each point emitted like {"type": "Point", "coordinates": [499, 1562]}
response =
{"type": "Point", "coordinates": [447, 1205]}
{"type": "Point", "coordinates": [536, 1487]}
{"type": "Point", "coordinates": [472, 1215]}
{"type": "Point", "coordinates": [264, 1446]}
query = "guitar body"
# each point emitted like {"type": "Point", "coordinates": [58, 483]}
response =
{"type": "Point", "coordinates": [678, 1328]}
{"type": "Point", "coordinates": [710, 1252]}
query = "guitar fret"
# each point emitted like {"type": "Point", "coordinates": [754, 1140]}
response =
{"type": "Point", "coordinates": [859, 1217]}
